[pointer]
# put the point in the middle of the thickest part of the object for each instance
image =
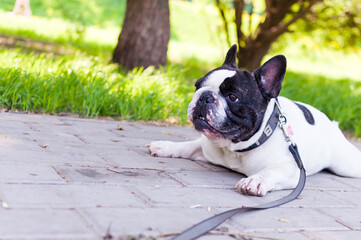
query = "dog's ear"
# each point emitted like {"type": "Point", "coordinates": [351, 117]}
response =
{"type": "Point", "coordinates": [231, 57]}
{"type": "Point", "coordinates": [270, 75]}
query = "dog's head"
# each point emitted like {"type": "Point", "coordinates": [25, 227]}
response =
{"type": "Point", "coordinates": [230, 103]}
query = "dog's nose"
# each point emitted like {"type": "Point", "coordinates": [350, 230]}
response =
{"type": "Point", "coordinates": [206, 97]}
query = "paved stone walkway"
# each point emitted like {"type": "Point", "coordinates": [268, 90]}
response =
{"type": "Point", "coordinates": [72, 178]}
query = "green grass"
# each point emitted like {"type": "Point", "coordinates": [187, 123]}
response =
{"type": "Point", "coordinates": [339, 99]}
{"type": "Point", "coordinates": [90, 88]}
{"type": "Point", "coordinates": [84, 82]}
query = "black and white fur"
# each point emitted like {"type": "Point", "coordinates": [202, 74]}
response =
{"type": "Point", "coordinates": [231, 107]}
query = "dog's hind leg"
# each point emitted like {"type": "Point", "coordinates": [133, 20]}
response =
{"type": "Point", "coordinates": [347, 161]}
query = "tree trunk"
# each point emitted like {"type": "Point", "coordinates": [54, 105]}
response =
{"type": "Point", "coordinates": [250, 56]}
{"type": "Point", "coordinates": [144, 37]}
{"type": "Point", "coordinates": [278, 16]}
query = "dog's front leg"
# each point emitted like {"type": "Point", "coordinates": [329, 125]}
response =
{"type": "Point", "coordinates": [190, 150]}
{"type": "Point", "coordinates": [276, 177]}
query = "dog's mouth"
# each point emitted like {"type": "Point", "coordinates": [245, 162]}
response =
{"type": "Point", "coordinates": [200, 118]}
{"type": "Point", "coordinates": [200, 121]}
{"type": "Point", "coordinates": [212, 122]}
{"type": "Point", "coordinates": [202, 124]}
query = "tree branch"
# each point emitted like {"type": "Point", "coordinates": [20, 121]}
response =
{"type": "Point", "coordinates": [238, 8]}
{"type": "Point", "coordinates": [275, 28]}
{"type": "Point", "coordinates": [281, 28]}
{"type": "Point", "coordinates": [225, 23]}
{"type": "Point", "coordinates": [276, 11]}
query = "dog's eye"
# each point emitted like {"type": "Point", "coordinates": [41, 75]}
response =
{"type": "Point", "coordinates": [232, 98]}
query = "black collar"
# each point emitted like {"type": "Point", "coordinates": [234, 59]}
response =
{"type": "Point", "coordinates": [271, 125]}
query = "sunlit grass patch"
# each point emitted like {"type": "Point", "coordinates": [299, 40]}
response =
{"type": "Point", "coordinates": [89, 87]}
{"type": "Point", "coordinates": [339, 99]}
{"type": "Point", "coordinates": [93, 40]}
{"type": "Point", "coordinates": [306, 56]}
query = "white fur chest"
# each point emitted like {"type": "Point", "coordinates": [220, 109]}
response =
{"type": "Point", "coordinates": [246, 163]}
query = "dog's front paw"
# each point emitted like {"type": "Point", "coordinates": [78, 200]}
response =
{"type": "Point", "coordinates": [160, 149]}
{"type": "Point", "coordinates": [253, 185]}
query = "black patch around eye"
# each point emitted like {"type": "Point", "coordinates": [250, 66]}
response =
{"type": "Point", "coordinates": [307, 113]}
{"type": "Point", "coordinates": [228, 86]}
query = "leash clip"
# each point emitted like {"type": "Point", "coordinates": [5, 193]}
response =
{"type": "Point", "coordinates": [286, 128]}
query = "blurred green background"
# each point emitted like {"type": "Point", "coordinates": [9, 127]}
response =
{"type": "Point", "coordinates": [58, 61]}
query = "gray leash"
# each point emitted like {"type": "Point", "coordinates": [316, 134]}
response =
{"type": "Point", "coordinates": [210, 223]}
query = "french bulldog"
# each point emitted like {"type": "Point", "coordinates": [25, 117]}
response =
{"type": "Point", "coordinates": [233, 109]}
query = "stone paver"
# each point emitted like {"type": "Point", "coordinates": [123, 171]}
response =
{"type": "Point", "coordinates": [43, 224]}
{"type": "Point", "coordinates": [74, 178]}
